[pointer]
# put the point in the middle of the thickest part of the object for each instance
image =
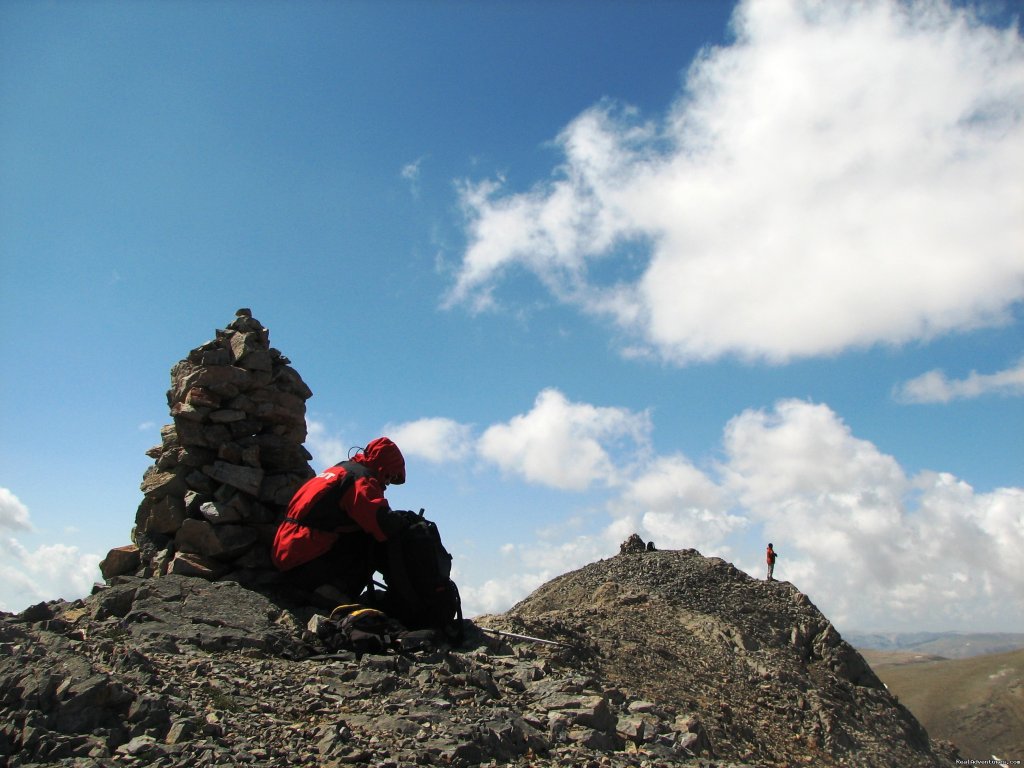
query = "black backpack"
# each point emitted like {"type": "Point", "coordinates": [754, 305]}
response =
{"type": "Point", "coordinates": [417, 572]}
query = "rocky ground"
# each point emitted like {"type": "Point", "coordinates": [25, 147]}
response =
{"type": "Point", "coordinates": [664, 658]}
{"type": "Point", "coordinates": [764, 672]}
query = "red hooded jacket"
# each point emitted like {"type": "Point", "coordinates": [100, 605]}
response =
{"type": "Point", "coordinates": [346, 498]}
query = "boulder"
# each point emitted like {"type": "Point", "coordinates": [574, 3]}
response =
{"type": "Point", "coordinates": [120, 561]}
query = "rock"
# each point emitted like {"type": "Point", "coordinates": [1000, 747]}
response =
{"type": "Point", "coordinates": [194, 564]}
{"type": "Point", "coordinates": [119, 561]}
{"type": "Point", "coordinates": [235, 540]}
{"type": "Point", "coordinates": [633, 544]}
{"type": "Point", "coordinates": [157, 484]}
{"type": "Point", "coordinates": [246, 479]}
{"type": "Point", "coordinates": [216, 513]}
{"type": "Point", "coordinates": [198, 537]}
{"type": "Point", "coordinates": [37, 612]}
{"type": "Point", "coordinates": [164, 515]}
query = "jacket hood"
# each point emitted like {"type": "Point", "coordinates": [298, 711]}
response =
{"type": "Point", "coordinates": [383, 457]}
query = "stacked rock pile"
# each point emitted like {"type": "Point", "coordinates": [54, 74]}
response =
{"type": "Point", "coordinates": [226, 466]}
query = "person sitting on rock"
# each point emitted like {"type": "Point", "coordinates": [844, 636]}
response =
{"type": "Point", "coordinates": [328, 540]}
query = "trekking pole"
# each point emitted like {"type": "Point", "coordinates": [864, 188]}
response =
{"type": "Point", "coordinates": [515, 636]}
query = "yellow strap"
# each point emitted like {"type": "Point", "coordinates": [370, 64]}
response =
{"type": "Point", "coordinates": [354, 609]}
{"type": "Point", "coordinates": [345, 608]}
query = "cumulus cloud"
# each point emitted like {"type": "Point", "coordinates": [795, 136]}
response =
{"type": "Point", "coordinates": [46, 573]}
{"type": "Point", "coordinates": [800, 197]}
{"type": "Point", "coordinates": [676, 505]}
{"type": "Point", "coordinates": [49, 572]}
{"type": "Point", "coordinates": [526, 567]}
{"type": "Point", "coordinates": [873, 543]}
{"type": "Point", "coordinates": [936, 387]}
{"type": "Point", "coordinates": [497, 595]}
{"type": "Point", "coordinates": [13, 514]}
{"type": "Point", "coordinates": [434, 439]}
{"type": "Point", "coordinates": [565, 445]}
{"type": "Point", "coordinates": [326, 448]}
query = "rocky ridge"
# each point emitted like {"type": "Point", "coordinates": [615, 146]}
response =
{"type": "Point", "coordinates": [652, 659]}
{"type": "Point", "coordinates": [766, 675]}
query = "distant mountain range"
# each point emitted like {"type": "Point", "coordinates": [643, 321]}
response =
{"type": "Point", "coordinates": [950, 645]}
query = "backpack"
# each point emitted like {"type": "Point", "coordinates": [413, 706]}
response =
{"type": "Point", "coordinates": [359, 628]}
{"type": "Point", "coordinates": [356, 627]}
{"type": "Point", "coordinates": [417, 572]}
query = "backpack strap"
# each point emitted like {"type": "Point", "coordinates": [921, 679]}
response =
{"type": "Point", "coordinates": [398, 574]}
{"type": "Point", "coordinates": [322, 514]}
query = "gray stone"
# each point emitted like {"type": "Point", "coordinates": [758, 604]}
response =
{"type": "Point", "coordinates": [119, 561]}
{"type": "Point", "coordinates": [165, 515]}
{"type": "Point", "coordinates": [194, 564]}
{"type": "Point", "coordinates": [219, 379]}
{"type": "Point", "coordinates": [159, 484]}
{"type": "Point", "coordinates": [257, 360]}
{"type": "Point", "coordinates": [198, 537]}
{"type": "Point", "coordinates": [235, 540]}
{"type": "Point", "coordinates": [226, 415]}
{"type": "Point", "coordinates": [218, 514]}
{"type": "Point", "coordinates": [246, 479]}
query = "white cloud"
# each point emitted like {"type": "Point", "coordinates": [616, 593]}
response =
{"type": "Point", "coordinates": [13, 514]}
{"type": "Point", "coordinates": [434, 439]}
{"type": "Point", "coordinates": [49, 572]}
{"type": "Point", "coordinates": [326, 449]}
{"type": "Point", "coordinates": [802, 451]}
{"type": "Point", "coordinates": [411, 171]}
{"type": "Point", "coordinates": [677, 506]}
{"type": "Point", "coordinates": [799, 198]}
{"type": "Point", "coordinates": [496, 595]}
{"type": "Point", "coordinates": [526, 567]}
{"type": "Point", "coordinates": [871, 545]}
{"type": "Point", "coordinates": [936, 387]}
{"type": "Point", "coordinates": [563, 444]}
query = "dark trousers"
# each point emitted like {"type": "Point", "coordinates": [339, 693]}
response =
{"type": "Point", "coordinates": [348, 566]}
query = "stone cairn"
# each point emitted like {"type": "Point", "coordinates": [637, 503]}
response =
{"type": "Point", "coordinates": [226, 467]}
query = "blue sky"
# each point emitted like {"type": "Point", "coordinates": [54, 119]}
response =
{"type": "Point", "coordinates": [716, 274]}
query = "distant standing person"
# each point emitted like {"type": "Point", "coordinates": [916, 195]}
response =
{"type": "Point", "coordinates": [769, 557]}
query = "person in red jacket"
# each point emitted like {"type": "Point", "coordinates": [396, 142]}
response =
{"type": "Point", "coordinates": [770, 555]}
{"type": "Point", "coordinates": [328, 540]}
